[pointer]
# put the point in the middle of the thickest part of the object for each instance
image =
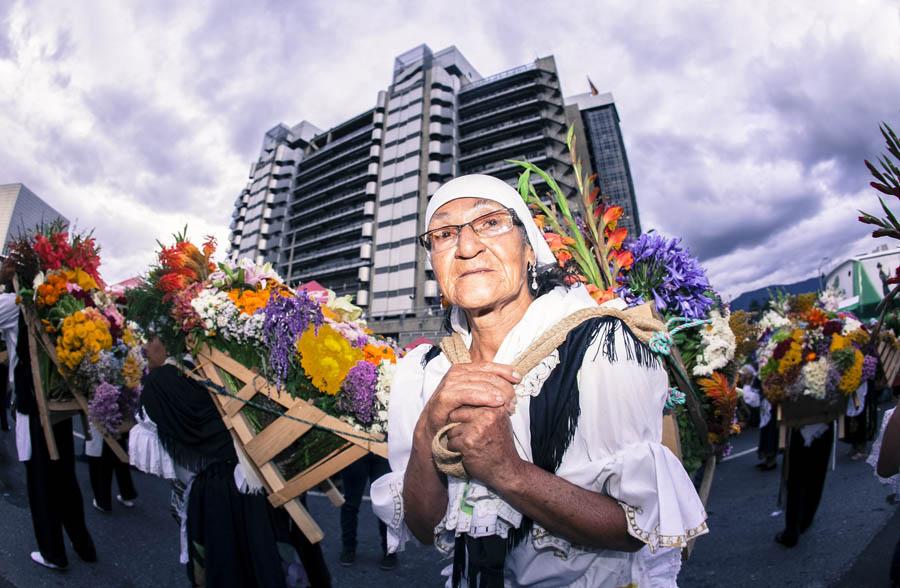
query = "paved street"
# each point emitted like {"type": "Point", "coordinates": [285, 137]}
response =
{"type": "Point", "coordinates": [139, 547]}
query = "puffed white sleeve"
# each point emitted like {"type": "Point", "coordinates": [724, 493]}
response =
{"type": "Point", "coordinates": [405, 405]}
{"type": "Point", "coordinates": [622, 395]}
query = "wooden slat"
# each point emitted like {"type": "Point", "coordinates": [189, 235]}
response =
{"type": "Point", "coordinates": [330, 490]}
{"type": "Point", "coordinates": [311, 477]}
{"type": "Point", "coordinates": [670, 436]}
{"type": "Point", "coordinates": [236, 369]}
{"type": "Point", "coordinates": [40, 395]}
{"type": "Point", "coordinates": [380, 449]}
{"type": "Point", "coordinates": [709, 469]}
{"type": "Point", "coordinates": [304, 521]}
{"type": "Point", "coordinates": [63, 405]}
{"type": "Point", "coordinates": [232, 406]}
{"type": "Point", "coordinates": [280, 434]}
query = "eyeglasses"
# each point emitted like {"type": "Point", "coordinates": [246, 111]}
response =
{"type": "Point", "coordinates": [492, 224]}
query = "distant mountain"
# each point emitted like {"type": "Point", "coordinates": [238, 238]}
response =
{"type": "Point", "coordinates": [762, 295]}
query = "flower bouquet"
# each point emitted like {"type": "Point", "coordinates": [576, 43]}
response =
{"type": "Point", "coordinates": [704, 335]}
{"type": "Point", "coordinates": [299, 378]}
{"type": "Point", "coordinates": [84, 355]}
{"type": "Point", "coordinates": [811, 359]}
{"type": "Point", "coordinates": [652, 275]}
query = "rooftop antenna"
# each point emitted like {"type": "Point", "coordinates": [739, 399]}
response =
{"type": "Point", "coordinates": [594, 90]}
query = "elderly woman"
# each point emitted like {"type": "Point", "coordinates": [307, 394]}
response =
{"type": "Point", "coordinates": [568, 480]}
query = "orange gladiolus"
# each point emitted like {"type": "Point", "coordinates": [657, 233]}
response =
{"type": "Point", "coordinates": [600, 296]}
{"type": "Point", "coordinates": [616, 237]}
{"type": "Point", "coordinates": [611, 216]}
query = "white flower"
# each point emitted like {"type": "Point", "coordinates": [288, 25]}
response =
{"type": "Point", "coordinates": [39, 279]}
{"type": "Point", "coordinates": [850, 325]}
{"type": "Point", "coordinates": [718, 345]}
{"type": "Point", "coordinates": [773, 320]}
{"type": "Point", "coordinates": [815, 378]}
{"type": "Point", "coordinates": [831, 298]}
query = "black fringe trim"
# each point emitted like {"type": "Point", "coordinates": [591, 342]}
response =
{"type": "Point", "coordinates": [635, 350]}
{"type": "Point", "coordinates": [430, 354]}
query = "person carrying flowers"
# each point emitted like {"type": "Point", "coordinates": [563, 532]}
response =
{"type": "Point", "coordinates": [563, 478]}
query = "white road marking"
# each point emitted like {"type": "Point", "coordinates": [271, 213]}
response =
{"type": "Point", "coordinates": [741, 454]}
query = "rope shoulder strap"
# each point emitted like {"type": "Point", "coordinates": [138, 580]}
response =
{"type": "Point", "coordinates": [644, 327]}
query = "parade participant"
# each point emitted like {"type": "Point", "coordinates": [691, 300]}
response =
{"type": "Point", "coordinates": [54, 497]}
{"type": "Point", "coordinates": [568, 476]}
{"type": "Point", "coordinates": [102, 464]}
{"type": "Point", "coordinates": [231, 534]}
{"type": "Point", "coordinates": [806, 464]}
{"type": "Point", "coordinates": [885, 458]}
{"type": "Point", "coordinates": [354, 477]}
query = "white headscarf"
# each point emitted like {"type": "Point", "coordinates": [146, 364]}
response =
{"type": "Point", "coordinates": [491, 188]}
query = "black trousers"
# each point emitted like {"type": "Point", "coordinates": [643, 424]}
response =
{"type": "Point", "coordinates": [807, 467]}
{"type": "Point", "coordinates": [101, 470]}
{"type": "Point", "coordinates": [54, 495]}
{"type": "Point", "coordinates": [768, 440]}
{"type": "Point", "coordinates": [368, 469]}
{"type": "Point", "coordinates": [4, 396]}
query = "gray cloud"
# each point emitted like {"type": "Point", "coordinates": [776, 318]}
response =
{"type": "Point", "coordinates": [746, 129]}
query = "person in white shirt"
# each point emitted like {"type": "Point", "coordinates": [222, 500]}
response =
{"type": "Point", "coordinates": [568, 481]}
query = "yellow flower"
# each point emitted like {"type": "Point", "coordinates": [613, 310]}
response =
{"type": "Point", "coordinates": [838, 342]}
{"type": "Point", "coordinates": [326, 358]}
{"type": "Point", "coordinates": [852, 378]}
{"type": "Point", "coordinates": [83, 334]}
{"type": "Point", "coordinates": [81, 277]}
{"type": "Point", "coordinates": [859, 336]}
{"type": "Point", "coordinates": [133, 369]}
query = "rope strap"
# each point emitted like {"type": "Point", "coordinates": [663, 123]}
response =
{"type": "Point", "coordinates": [450, 462]}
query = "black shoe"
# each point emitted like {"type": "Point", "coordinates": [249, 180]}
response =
{"type": "Point", "coordinates": [389, 562]}
{"type": "Point", "coordinates": [348, 558]}
{"type": "Point", "coordinates": [786, 539]}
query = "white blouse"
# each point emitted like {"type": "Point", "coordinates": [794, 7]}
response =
{"type": "Point", "coordinates": [616, 451]}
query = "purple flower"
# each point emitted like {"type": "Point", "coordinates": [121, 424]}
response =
{"type": "Point", "coordinates": [358, 392]}
{"type": "Point", "coordinates": [286, 317]}
{"type": "Point", "coordinates": [870, 366]}
{"type": "Point", "coordinates": [104, 406]}
{"type": "Point", "coordinates": [834, 378]}
{"type": "Point", "coordinates": [667, 273]}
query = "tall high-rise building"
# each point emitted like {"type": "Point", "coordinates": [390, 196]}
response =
{"type": "Point", "coordinates": [608, 158]}
{"type": "Point", "coordinates": [22, 210]}
{"type": "Point", "coordinates": [259, 210]}
{"type": "Point", "coordinates": [358, 191]}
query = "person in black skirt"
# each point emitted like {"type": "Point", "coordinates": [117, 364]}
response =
{"type": "Point", "coordinates": [102, 467]}
{"type": "Point", "coordinates": [806, 462]}
{"type": "Point", "coordinates": [235, 538]}
{"type": "Point", "coordinates": [54, 497]}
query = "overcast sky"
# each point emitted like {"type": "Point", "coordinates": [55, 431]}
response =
{"type": "Point", "coordinates": [746, 123]}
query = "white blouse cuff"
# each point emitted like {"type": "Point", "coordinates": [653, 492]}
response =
{"type": "Point", "coordinates": [387, 502]}
{"type": "Point", "coordinates": [661, 505]}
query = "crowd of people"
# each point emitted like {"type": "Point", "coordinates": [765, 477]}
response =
{"type": "Point", "coordinates": [527, 448]}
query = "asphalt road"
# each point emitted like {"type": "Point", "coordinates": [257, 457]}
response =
{"type": "Point", "coordinates": [849, 544]}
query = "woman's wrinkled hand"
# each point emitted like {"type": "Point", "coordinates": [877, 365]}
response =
{"type": "Point", "coordinates": [477, 384]}
{"type": "Point", "coordinates": [485, 440]}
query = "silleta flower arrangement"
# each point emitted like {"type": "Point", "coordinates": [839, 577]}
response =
{"type": "Point", "coordinates": [307, 341]}
{"type": "Point", "coordinates": [808, 351]}
{"type": "Point", "coordinates": [591, 248]}
{"type": "Point", "coordinates": [98, 353]}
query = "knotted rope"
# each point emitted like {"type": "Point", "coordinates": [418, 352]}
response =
{"type": "Point", "coordinates": [644, 328]}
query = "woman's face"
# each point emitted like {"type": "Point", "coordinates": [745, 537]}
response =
{"type": "Point", "coordinates": [479, 273]}
{"type": "Point", "coordinates": [155, 352]}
